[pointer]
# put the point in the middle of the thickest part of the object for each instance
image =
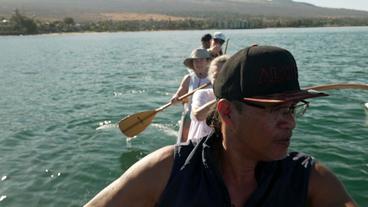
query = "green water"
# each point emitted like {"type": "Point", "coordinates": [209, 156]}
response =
{"type": "Point", "coordinates": [56, 90]}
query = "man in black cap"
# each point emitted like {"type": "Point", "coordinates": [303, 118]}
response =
{"type": "Point", "coordinates": [206, 41]}
{"type": "Point", "coordinates": [245, 162]}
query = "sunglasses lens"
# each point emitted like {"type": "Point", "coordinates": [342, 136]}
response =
{"type": "Point", "coordinates": [299, 110]}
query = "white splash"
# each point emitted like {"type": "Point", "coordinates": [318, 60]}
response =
{"type": "Point", "coordinates": [106, 125]}
{"type": "Point", "coordinates": [2, 197]}
{"type": "Point", "coordinates": [128, 139]}
{"type": "Point", "coordinates": [4, 178]}
{"type": "Point", "coordinates": [128, 142]}
{"type": "Point", "coordinates": [118, 94]}
{"type": "Point", "coordinates": [167, 130]}
{"type": "Point", "coordinates": [137, 91]}
{"type": "Point", "coordinates": [50, 173]}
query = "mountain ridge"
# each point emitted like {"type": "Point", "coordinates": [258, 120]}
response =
{"type": "Point", "coordinates": [87, 10]}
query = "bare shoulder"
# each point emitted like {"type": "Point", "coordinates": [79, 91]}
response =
{"type": "Point", "coordinates": [186, 80]}
{"type": "Point", "coordinates": [186, 77]}
{"type": "Point", "coordinates": [142, 184]}
{"type": "Point", "coordinates": [184, 85]}
{"type": "Point", "coordinates": [326, 190]}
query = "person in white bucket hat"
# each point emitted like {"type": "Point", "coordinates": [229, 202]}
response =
{"type": "Point", "coordinates": [198, 62]}
{"type": "Point", "coordinates": [216, 44]}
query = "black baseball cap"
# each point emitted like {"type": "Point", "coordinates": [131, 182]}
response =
{"type": "Point", "coordinates": [261, 74]}
{"type": "Point", "coordinates": [206, 37]}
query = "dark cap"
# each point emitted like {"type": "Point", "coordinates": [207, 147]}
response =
{"type": "Point", "coordinates": [206, 37]}
{"type": "Point", "coordinates": [263, 74]}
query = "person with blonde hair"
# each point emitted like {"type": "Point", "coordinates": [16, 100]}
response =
{"type": "Point", "coordinates": [198, 127]}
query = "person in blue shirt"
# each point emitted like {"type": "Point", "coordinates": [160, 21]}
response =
{"type": "Point", "coordinates": [217, 41]}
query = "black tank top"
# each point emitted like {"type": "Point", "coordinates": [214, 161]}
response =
{"type": "Point", "coordinates": [195, 179]}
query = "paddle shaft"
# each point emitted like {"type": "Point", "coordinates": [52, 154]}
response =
{"type": "Point", "coordinates": [134, 124]}
{"type": "Point", "coordinates": [326, 87]}
{"type": "Point", "coordinates": [227, 42]}
{"type": "Point", "coordinates": [339, 86]}
{"type": "Point", "coordinates": [182, 97]}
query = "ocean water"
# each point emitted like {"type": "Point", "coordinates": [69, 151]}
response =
{"type": "Point", "coordinates": [62, 95]}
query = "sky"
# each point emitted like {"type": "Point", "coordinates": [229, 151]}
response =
{"type": "Point", "coordinates": [347, 4]}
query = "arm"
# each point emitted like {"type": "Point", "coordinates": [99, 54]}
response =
{"type": "Point", "coordinates": [200, 113]}
{"type": "Point", "coordinates": [325, 190]}
{"type": "Point", "coordinates": [215, 50]}
{"type": "Point", "coordinates": [141, 185]}
{"type": "Point", "coordinates": [183, 89]}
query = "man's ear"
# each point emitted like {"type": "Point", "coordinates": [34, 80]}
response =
{"type": "Point", "coordinates": [224, 108]}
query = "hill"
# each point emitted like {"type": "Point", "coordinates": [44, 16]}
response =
{"type": "Point", "coordinates": [98, 10]}
{"type": "Point", "coordinates": [51, 16]}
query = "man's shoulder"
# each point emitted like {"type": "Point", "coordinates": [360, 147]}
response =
{"type": "Point", "coordinates": [325, 189]}
{"type": "Point", "coordinates": [294, 163]}
{"type": "Point", "coordinates": [157, 163]}
{"type": "Point", "coordinates": [299, 159]}
{"type": "Point", "coordinates": [141, 184]}
{"type": "Point", "coordinates": [160, 156]}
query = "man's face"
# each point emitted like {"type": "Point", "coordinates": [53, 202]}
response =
{"type": "Point", "coordinates": [206, 44]}
{"type": "Point", "coordinates": [264, 134]}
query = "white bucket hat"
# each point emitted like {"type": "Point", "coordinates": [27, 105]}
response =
{"type": "Point", "coordinates": [196, 54]}
{"type": "Point", "coordinates": [219, 35]}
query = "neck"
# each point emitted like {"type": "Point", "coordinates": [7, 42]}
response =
{"type": "Point", "coordinates": [235, 164]}
{"type": "Point", "coordinates": [201, 75]}
{"type": "Point", "coordinates": [238, 171]}
{"type": "Point", "coordinates": [236, 154]}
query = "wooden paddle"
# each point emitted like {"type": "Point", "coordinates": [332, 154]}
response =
{"type": "Point", "coordinates": [335, 86]}
{"type": "Point", "coordinates": [136, 123]}
{"type": "Point", "coordinates": [227, 42]}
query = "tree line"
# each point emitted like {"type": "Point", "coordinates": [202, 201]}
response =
{"type": "Point", "coordinates": [19, 24]}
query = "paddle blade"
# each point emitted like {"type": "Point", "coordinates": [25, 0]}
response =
{"type": "Point", "coordinates": [136, 123]}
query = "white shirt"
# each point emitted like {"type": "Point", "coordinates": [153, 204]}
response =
{"type": "Point", "coordinates": [197, 128]}
{"type": "Point", "coordinates": [194, 83]}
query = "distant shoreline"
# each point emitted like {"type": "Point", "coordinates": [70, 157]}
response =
{"type": "Point", "coordinates": [19, 24]}
{"type": "Point", "coordinates": [92, 32]}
